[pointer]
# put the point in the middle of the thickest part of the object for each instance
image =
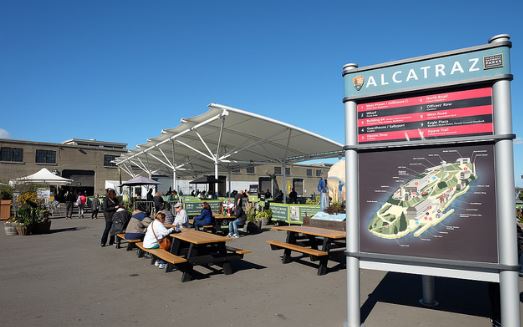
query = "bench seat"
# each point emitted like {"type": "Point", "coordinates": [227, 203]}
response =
{"type": "Point", "coordinates": [166, 256]}
{"type": "Point", "coordinates": [121, 237]}
{"type": "Point", "coordinates": [238, 251]}
{"type": "Point", "coordinates": [298, 248]}
{"type": "Point", "coordinates": [313, 253]}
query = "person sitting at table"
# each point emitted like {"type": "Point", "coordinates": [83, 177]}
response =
{"type": "Point", "coordinates": [137, 224]}
{"type": "Point", "coordinates": [166, 209]}
{"type": "Point", "coordinates": [155, 232]}
{"type": "Point", "coordinates": [240, 219]}
{"type": "Point", "coordinates": [205, 217]}
{"type": "Point", "coordinates": [181, 219]}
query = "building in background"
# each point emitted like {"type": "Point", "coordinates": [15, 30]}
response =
{"type": "Point", "coordinates": [87, 162]}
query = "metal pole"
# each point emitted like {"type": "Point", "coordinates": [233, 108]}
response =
{"type": "Point", "coordinates": [229, 178]}
{"type": "Point", "coordinates": [352, 211]}
{"type": "Point", "coordinates": [283, 166]}
{"type": "Point", "coordinates": [507, 235]}
{"type": "Point", "coordinates": [428, 286]}
{"type": "Point", "coordinates": [216, 176]}
{"type": "Point", "coordinates": [174, 180]}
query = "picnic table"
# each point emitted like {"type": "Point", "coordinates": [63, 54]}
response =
{"type": "Point", "coordinates": [200, 248]}
{"type": "Point", "coordinates": [312, 235]}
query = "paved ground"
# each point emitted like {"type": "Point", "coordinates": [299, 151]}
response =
{"type": "Point", "coordinates": [66, 278]}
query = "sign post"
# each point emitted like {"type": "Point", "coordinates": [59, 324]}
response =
{"type": "Point", "coordinates": [429, 168]}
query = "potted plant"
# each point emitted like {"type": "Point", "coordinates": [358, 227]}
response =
{"type": "Point", "coordinates": [6, 199]}
{"type": "Point", "coordinates": [32, 216]}
{"type": "Point", "coordinates": [263, 217]}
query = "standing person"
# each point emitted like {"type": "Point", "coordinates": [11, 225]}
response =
{"type": "Point", "coordinates": [268, 194]}
{"type": "Point", "coordinates": [156, 231]}
{"type": "Point", "coordinates": [293, 196]}
{"type": "Point", "coordinates": [324, 194]}
{"type": "Point", "coordinates": [69, 199]}
{"type": "Point", "coordinates": [110, 207]}
{"type": "Point", "coordinates": [149, 195]}
{"type": "Point", "coordinates": [158, 201]}
{"type": "Point", "coordinates": [95, 207]}
{"type": "Point", "coordinates": [82, 200]}
{"type": "Point", "coordinates": [181, 219]}
{"type": "Point", "coordinates": [205, 217]}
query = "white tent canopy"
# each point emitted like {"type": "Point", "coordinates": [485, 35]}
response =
{"type": "Point", "coordinates": [43, 176]}
{"type": "Point", "coordinates": [225, 137]}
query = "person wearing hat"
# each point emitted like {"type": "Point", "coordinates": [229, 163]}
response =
{"type": "Point", "coordinates": [181, 219]}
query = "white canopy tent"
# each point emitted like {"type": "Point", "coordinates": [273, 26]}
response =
{"type": "Point", "coordinates": [43, 176]}
{"type": "Point", "coordinates": [226, 137]}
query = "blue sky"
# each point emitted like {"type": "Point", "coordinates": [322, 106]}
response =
{"type": "Point", "coordinates": [123, 70]}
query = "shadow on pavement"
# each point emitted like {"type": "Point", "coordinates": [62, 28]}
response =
{"type": "Point", "coordinates": [68, 229]}
{"type": "Point", "coordinates": [454, 295]}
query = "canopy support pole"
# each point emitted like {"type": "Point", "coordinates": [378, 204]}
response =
{"type": "Point", "coordinates": [229, 181]}
{"type": "Point", "coordinates": [284, 172]}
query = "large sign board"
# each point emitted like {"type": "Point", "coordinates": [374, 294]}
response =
{"type": "Point", "coordinates": [434, 203]}
{"type": "Point", "coordinates": [431, 200]}
{"type": "Point", "coordinates": [429, 164]}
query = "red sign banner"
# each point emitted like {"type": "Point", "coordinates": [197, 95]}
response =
{"type": "Point", "coordinates": [450, 114]}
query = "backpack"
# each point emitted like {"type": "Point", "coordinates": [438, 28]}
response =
{"type": "Point", "coordinates": [120, 221]}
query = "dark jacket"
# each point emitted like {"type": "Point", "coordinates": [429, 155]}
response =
{"type": "Point", "coordinates": [158, 202]}
{"type": "Point", "coordinates": [109, 208]}
{"type": "Point", "coordinates": [120, 220]}
{"type": "Point", "coordinates": [205, 217]}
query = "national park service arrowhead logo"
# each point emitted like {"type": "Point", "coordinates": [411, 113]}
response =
{"type": "Point", "coordinates": [358, 82]}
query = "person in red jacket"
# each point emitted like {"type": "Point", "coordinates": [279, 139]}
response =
{"type": "Point", "coordinates": [82, 200]}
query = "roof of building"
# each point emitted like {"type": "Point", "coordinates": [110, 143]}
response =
{"type": "Point", "coordinates": [227, 137]}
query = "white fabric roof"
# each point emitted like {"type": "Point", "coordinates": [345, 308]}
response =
{"type": "Point", "coordinates": [44, 176]}
{"type": "Point", "coordinates": [228, 137]}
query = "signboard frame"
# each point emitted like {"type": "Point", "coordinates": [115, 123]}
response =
{"type": "Point", "coordinates": [361, 87]}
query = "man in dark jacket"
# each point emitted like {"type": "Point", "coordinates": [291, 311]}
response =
{"type": "Point", "coordinates": [69, 200]}
{"type": "Point", "coordinates": [158, 201]}
{"type": "Point", "coordinates": [110, 207]}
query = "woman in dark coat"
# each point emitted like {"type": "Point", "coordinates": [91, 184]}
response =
{"type": "Point", "coordinates": [205, 217]}
{"type": "Point", "coordinates": [110, 207]}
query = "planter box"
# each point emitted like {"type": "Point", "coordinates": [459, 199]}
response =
{"type": "Point", "coordinates": [336, 225]}
{"type": "Point", "coordinates": [5, 209]}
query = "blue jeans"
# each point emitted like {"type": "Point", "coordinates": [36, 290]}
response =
{"type": "Point", "coordinates": [233, 226]}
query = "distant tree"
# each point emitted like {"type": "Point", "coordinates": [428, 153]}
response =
{"type": "Point", "coordinates": [442, 185]}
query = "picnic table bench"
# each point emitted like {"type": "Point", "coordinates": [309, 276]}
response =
{"type": "Point", "coordinates": [312, 235]}
{"type": "Point", "coordinates": [171, 259]}
{"type": "Point", "coordinates": [200, 248]}
{"type": "Point", "coordinates": [120, 237]}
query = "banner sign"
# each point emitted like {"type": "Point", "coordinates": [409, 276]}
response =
{"type": "Point", "coordinates": [450, 114]}
{"type": "Point", "coordinates": [442, 69]}
{"type": "Point", "coordinates": [433, 203]}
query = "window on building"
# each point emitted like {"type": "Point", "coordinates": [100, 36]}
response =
{"type": "Point", "coordinates": [287, 171]}
{"type": "Point", "coordinates": [45, 156]}
{"type": "Point", "coordinates": [309, 172]}
{"type": "Point", "coordinates": [318, 172]}
{"type": "Point", "coordinates": [277, 170]}
{"type": "Point", "coordinates": [235, 170]}
{"type": "Point", "coordinates": [108, 158]}
{"type": "Point", "coordinates": [11, 154]}
{"type": "Point", "coordinates": [250, 170]}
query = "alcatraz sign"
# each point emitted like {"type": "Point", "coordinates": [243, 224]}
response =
{"type": "Point", "coordinates": [439, 69]}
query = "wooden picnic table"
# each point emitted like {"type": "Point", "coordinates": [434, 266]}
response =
{"type": "Point", "coordinates": [327, 237]}
{"type": "Point", "coordinates": [201, 248]}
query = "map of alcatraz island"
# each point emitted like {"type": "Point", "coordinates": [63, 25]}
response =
{"type": "Point", "coordinates": [424, 201]}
